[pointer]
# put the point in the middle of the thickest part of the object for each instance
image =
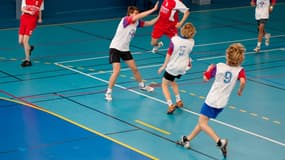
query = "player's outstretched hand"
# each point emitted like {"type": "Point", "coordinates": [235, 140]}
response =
{"type": "Point", "coordinates": [156, 5]}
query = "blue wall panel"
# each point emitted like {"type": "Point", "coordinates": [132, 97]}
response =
{"type": "Point", "coordinates": [59, 11]}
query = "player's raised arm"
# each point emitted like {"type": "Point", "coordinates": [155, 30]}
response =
{"type": "Point", "coordinates": [145, 13]}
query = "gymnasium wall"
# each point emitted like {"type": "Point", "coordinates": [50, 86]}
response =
{"type": "Point", "coordinates": [59, 11]}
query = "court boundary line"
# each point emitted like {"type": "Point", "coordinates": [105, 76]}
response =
{"type": "Point", "coordinates": [184, 109]}
{"type": "Point", "coordinates": [81, 126]}
{"type": "Point", "coordinates": [155, 65]}
{"type": "Point", "coordinates": [198, 45]}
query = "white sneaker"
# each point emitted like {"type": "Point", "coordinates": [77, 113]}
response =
{"type": "Point", "coordinates": [187, 145]}
{"type": "Point", "coordinates": [256, 49]}
{"type": "Point", "coordinates": [184, 142]}
{"type": "Point", "coordinates": [108, 96]}
{"type": "Point", "coordinates": [147, 88]}
{"type": "Point", "coordinates": [267, 39]}
{"type": "Point", "coordinates": [155, 48]}
{"type": "Point", "coordinates": [224, 146]}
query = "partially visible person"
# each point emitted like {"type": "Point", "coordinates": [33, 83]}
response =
{"type": "Point", "coordinates": [176, 64]}
{"type": "Point", "coordinates": [263, 8]}
{"type": "Point", "coordinates": [31, 15]}
{"type": "Point", "coordinates": [120, 46]}
{"type": "Point", "coordinates": [226, 75]}
{"type": "Point", "coordinates": [168, 22]}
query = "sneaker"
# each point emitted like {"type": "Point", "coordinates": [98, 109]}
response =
{"type": "Point", "coordinates": [26, 63]}
{"type": "Point", "coordinates": [184, 142]}
{"type": "Point", "coordinates": [108, 96]}
{"type": "Point", "coordinates": [147, 88]}
{"type": "Point", "coordinates": [155, 48]}
{"type": "Point", "coordinates": [179, 104]}
{"type": "Point", "coordinates": [267, 39]}
{"type": "Point", "coordinates": [31, 49]}
{"type": "Point", "coordinates": [223, 147]}
{"type": "Point", "coordinates": [256, 49]}
{"type": "Point", "coordinates": [171, 109]}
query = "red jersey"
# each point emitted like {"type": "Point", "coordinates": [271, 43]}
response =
{"type": "Point", "coordinates": [32, 5]}
{"type": "Point", "coordinates": [29, 21]}
{"type": "Point", "coordinates": [168, 18]}
{"type": "Point", "coordinates": [169, 11]}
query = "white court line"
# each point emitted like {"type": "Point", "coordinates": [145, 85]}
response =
{"type": "Point", "coordinates": [157, 65]}
{"type": "Point", "coordinates": [95, 58]}
{"type": "Point", "coordinates": [198, 45]}
{"type": "Point", "coordinates": [235, 41]}
{"type": "Point", "coordinates": [162, 101]}
{"type": "Point", "coordinates": [247, 53]}
{"type": "Point", "coordinates": [199, 59]}
{"type": "Point", "coordinates": [127, 69]}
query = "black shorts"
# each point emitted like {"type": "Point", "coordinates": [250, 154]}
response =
{"type": "Point", "coordinates": [261, 21]}
{"type": "Point", "coordinates": [115, 55]}
{"type": "Point", "coordinates": [170, 77]}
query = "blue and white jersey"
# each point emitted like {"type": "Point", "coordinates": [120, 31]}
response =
{"type": "Point", "coordinates": [262, 9]}
{"type": "Point", "coordinates": [125, 32]}
{"type": "Point", "coordinates": [225, 80]}
{"type": "Point", "coordinates": [179, 49]}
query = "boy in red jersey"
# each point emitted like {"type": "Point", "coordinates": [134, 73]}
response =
{"type": "Point", "coordinates": [31, 14]}
{"type": "Point", "coordinates": [168, 22]}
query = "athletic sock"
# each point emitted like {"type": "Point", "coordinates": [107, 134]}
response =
{"type": "Point", "coordinates": [178, 98]}
{"type": "Point", "coordinates": [169, 102]}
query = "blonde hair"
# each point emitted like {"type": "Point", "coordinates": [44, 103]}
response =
{"type": "Point", "coordinates": [188, 30]}
{"type": "Point", "coordinates": [235, 54]}
{"type": "Point", "coordinates": [132, 9]}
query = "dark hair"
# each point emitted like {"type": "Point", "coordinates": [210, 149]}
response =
{"type": "Point", "coordinates": [131, 10]}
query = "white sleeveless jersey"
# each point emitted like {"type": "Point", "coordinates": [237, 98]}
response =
{"type": "Point", "coordinates": [125, 32]}
{"type": "Point", "coordinates": [262, 9]}
{"type": "Point", "coordinates": [225, 80]}
{"type": "Point", "coordinates": [179, 58]}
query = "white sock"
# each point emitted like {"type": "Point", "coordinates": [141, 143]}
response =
{"type": "Point", "coordinates": [178, 98]}
{"type": "Point", "coordinates": [258, 44]}
{"type": "Point", "coordinates": [109, 90]}
{"type": "Point", "coordinates": [141, 84]}
{"type": "Point", "coordinates": [169, 102]}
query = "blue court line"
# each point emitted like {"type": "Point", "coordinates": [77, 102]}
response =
{"type": "Point", "coordinates": [33, 138]}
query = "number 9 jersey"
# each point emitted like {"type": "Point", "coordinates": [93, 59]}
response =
{"type": "Point", "coordinates": [225, 80]}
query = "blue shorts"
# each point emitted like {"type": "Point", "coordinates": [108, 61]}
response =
{"type": "Point", "coordinates": [210, 112]}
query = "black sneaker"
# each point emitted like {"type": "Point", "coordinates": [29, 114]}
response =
{"type": "Point", "coordinates": [223, 147]}
{"type": "Point", "coordinates": [26, 63]}
{"type": "Point", "coordinates": [31, 49]}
